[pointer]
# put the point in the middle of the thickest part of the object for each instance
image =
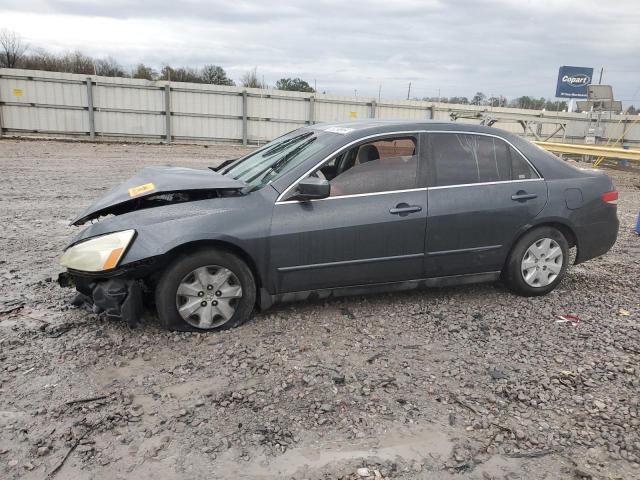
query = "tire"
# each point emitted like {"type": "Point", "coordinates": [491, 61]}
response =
{"type": "Point", "coordinates": [229, 303]}
{"type": "Point", "coordinates": [520, 272]}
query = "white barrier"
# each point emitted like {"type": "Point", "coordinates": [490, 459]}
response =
{"type": "Point", "coordinates": [63, 104]}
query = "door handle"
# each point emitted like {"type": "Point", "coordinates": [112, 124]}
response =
{"type": "Point", "coordinates": [403, 209]}
{"type": "Point", "coordinates": [523, 196]}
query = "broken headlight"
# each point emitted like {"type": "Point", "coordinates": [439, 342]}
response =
{"type": "Point", "coordinates": [99, 253]}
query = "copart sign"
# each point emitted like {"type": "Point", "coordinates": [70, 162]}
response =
{"type": "Point", "coordinates": [573, 81]}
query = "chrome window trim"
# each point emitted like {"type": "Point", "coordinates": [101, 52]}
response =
{"type": "Point", "coordinates": [279, 200]}
{"type": "Point", "coordinates": [457, 185]}
{"type": "Point", "coordinates": [501, 138]}
{"type": "Point", "coordinates": [422, 189]}
{"type": "Point", "coordinates": [386, 192]}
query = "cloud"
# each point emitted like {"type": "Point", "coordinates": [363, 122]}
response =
{"type": "Point", "coordinates": [508, 47]}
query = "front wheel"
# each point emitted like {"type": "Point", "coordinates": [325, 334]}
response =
{"type": "Point", "coordinates": [206, 290]}
{"type": "Point", "coordinates": [537, 262]}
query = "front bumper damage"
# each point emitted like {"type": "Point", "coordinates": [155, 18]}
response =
{"type": "Point", "coordinates": [118, 298]}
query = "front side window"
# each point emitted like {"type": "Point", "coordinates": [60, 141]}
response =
{"type": "Point", "coordinates": [461, 158]}
{"type": "Point", "coordinates": [277, 157]}
{"type": "Point", "coordinates": [383, 165]}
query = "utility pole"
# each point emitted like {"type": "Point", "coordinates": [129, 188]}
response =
{"type": "Point", "coordinates": [315, 86]}
{"type": "Point", "coordinates": [409, 91]}
{"type": "Point", "coordinates": [438, 95]}
{"type": "Point", "coordinates": [379, 92]}
{"type": "Point", "coordinates": [600, 81]}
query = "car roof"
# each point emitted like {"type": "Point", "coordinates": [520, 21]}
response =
{"type": "Point", "coordinates": [358, 128]}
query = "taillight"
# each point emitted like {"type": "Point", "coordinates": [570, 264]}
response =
{"type": "Point", "coordinates": [610, 197]}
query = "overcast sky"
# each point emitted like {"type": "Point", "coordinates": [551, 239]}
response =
{"type": "Point", "coordinates": [508, 47]}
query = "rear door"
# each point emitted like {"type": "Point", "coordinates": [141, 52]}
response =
{"type": "Point", "coordinates": [370, 230]}
{"type": "Point", "coordinates": [482, 192]}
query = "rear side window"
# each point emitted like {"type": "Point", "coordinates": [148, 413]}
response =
{"type": "Point", "coordinates": [520, 168]}
{"type": "Point", "coordinates": [461, 158]}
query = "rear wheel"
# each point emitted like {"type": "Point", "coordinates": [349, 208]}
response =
{"type": "Point", "coordinates": [537, 262]}
{"type": "Point", "coordinates": [207, 290]}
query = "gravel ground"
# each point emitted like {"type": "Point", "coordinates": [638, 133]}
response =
{"type": "Point", "coordinates": [466, 382]}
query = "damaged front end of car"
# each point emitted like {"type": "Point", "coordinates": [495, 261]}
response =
{"type": "Point", "coordinates": [113, 262]}
{"type": "Point", "coordinates": [117, 298]}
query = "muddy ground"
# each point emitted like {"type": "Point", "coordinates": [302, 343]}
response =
{"type": "Point", "coordinates": [467, 382]}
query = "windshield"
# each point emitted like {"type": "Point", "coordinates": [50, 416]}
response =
{"type": "Point", "coordinates": [276, 158]}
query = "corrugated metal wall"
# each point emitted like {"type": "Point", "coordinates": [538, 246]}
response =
{"type": "Point", "coordinates": [51, 103]}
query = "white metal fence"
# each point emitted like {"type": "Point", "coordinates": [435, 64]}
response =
{"type": "Point", "coordinates": [63, 104]}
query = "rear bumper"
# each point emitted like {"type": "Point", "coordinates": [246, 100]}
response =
{"type": "Point", "coordinates": [118, 298]}
{"type": "Point", "coordinates": [596, 239]}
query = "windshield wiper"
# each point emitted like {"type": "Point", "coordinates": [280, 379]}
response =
{"type": "Point", "coordinates": [285, 144]}
{"type": "Point", "coordinates": [223, 164]}
{"type": "Point", "coordinates": [275, 167]}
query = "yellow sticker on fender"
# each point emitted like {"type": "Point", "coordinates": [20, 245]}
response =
{"type": "Point", "coordinates": [140, 189]}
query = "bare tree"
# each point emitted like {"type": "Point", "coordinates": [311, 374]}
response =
{"type": "Point", "coordinates": [109, 67]}
{"type": "Point", "coordinates": [78, 62]}
{"type": "Point", "coordinates": [180, 74]}
{"type": "Point", "coordinates": [13, 48]}
{"type": "Point", "coordinates": [478, 99]}
{"type": "Point", "coordinates": [250, 79]}
{"type": "Point", "coordinates": [40, 59]}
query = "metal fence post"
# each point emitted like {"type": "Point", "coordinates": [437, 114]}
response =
{"type": "Point", "coordinates": [624, 129]}
{"type": "Point", "coordinates": [312, 108]}
{"type": "Point", "coordinates": [92, 122]}
{"type": "Point", "coordinates": [1, 123]}
{"type": "Point", "coordinates": [373, 109]}
{"type": "Point", "coordinates": [244, 118]}
{"type": "Point", "coordinates": [167, 112]}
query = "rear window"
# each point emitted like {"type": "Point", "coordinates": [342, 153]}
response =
{"type": "Point", "coordinates": [461, 158]}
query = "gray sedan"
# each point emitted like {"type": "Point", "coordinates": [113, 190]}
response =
{"type": "Point", "coordinates": [338, 209]}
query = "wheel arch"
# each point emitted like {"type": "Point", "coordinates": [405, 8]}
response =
{"type": "Point", "coordinates": [190, 247]}
{"type": "Point", "coordinates": [566, 230]}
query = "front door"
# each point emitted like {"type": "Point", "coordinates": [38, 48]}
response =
{"type": "Point", "coordinates": [483, 191]}
{"type": "Point", "coordinates": [370, 230]}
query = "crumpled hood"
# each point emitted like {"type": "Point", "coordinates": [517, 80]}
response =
{"type": "Point", "coordinates": [152, 181]}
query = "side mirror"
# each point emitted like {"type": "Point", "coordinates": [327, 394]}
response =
{"type": "Point", "coordinates": [313, 188]}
